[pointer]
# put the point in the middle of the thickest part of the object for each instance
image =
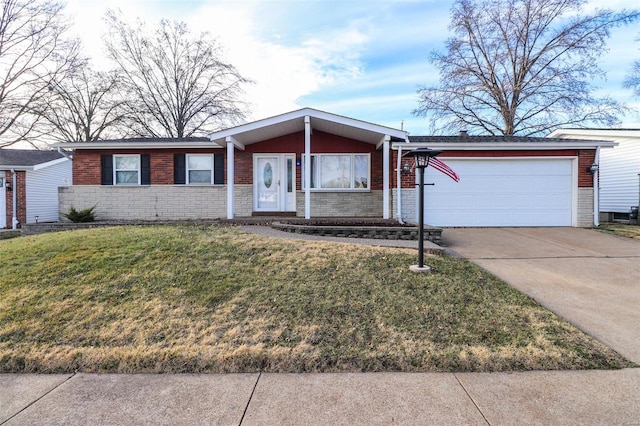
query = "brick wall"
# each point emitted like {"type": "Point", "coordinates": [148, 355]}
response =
{"type": "Point", "coordinates": [162, 168]}
{"type": "Point", "coordinates": [86, 167]}
{"type": "Point", "coordinates": [21, 200]}
{"type": "Point", "coordinates": [160, 202]}
{"type": "Point", "coordinates": [321, 143]}
{"type": "Point", "coordinates": [342, 204]}
{"type": "Point", "coordinates": [8, 201]}
{"type": "Point", "coordinates": [585, 207]}
{"type": "Point", "coordinates": [409, 204]}
{"type": "Point", "coordinates": [407, 180]}
{"type": "Point", "coordinates": [86, 163]}
{"type": "Point", "coordinates": [243, 200]}
{"type": "Point", "coordinates": [585, 160]}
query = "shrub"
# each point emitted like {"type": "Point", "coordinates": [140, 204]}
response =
{"type": "Point", "coordinates": [82, 216]}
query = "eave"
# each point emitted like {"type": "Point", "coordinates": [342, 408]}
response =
{"type": "Point", "coordinates": [135, 145]}
{"type": "Point", "coordinates": [506, 146]}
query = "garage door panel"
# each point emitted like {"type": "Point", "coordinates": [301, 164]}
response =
{"type": "Point", "coordinates": [492, 192]}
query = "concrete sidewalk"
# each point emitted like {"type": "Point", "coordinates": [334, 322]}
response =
{"type": "Point", "coordinates": [545, 398]}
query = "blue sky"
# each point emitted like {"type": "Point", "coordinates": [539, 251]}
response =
{"type": "Point", "coordinates": [359, 58]}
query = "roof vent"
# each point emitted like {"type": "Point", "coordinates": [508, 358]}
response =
{"type": "Point", "coordinates": [463, 133]}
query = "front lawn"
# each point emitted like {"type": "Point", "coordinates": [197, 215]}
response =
{"type": "Point", "coordinates": [216, 299]}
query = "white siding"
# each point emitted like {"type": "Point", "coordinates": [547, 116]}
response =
{"type": "Point", "coordinates": [42, 191]}
{"type": "Point", "coordinates": [619, 168]}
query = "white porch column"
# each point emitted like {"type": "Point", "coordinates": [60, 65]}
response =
{"type": "Point", "coordinates": [230, 178]}
{"type": "Point", "coordinates": [307, 167]}
{"type": "Point", "coordinates": [385, 177]}
{"type": "Point", "coordinates": [596, 190]}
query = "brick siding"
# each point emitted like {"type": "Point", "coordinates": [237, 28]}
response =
{"type": "Point", "coordinates": [86, 163]}
{"type": "Point", "coordinates": [21, 195]}
{"type": "Point", "coordinates": [342, 204]}
{"type": "Point", "coordinates": [585, 160]}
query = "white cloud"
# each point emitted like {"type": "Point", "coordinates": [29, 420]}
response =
{"type": "Point", "coordinates": [282, 73]}
{"type": "Point", "coordinates": [358, 58]}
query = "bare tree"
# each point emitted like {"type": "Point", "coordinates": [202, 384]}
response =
{"type": "Point", "coordinates": [176, 85]}
{"type": "Point", "coordinates": [33, 55]}
{"type": "Point", "coordinates": [86, 106]}
{"type": "Point", "coordinates": [521, 67]}
{"type": "Point", "coordinates": [632, 81]}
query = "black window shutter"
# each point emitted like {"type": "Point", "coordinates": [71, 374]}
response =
{"type": "Point", "coordinates": [218, 169]}
{"type": "Point", "coordinates": [179, 169]}
{"type": "Point", "coordinates": [106, 166]}
{"type": "Point", "coordinates": [145, 169]}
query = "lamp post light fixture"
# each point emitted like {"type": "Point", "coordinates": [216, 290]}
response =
{"type": "Point", "coordinates": [421, 157]}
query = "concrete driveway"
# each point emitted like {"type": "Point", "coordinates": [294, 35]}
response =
{"type": "Point", "coordinates": [589, 278]}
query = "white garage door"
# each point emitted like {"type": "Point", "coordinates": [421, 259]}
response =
{"type": "Point", "coordinates": [501, 192]}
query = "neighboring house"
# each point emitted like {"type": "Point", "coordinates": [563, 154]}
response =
{"type": "Point", "coordinates": [30, 181]}
{"type": "Point", "coordinates": [619, 169]}
{"type": "Point", "coordinates": [355, 169]}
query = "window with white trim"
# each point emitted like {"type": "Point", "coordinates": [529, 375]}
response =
{"type": "Point", "coordinates": [126, 169]}
{"type": "Point", "coordinates": [339, 172]}
{"type": "Point", "coordinates": [199, 169]}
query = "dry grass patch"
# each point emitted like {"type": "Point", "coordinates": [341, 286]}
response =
{"type": "Point", "coordinates": [621, 229]}
{"type": "Point", "coordinates": [211, 299]}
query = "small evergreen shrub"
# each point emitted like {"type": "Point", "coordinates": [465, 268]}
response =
{"type": "Point", "coordinates": [82, 216]}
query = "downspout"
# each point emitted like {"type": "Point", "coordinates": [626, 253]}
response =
{"type": "Point", "coordinates": [14, 220]}
{"type": "Point", "coordinates": [399, 185]}
{"type": "Point", "coordinates": [596, 190]}
{"type": "Point", "coordinates": [64, 154]}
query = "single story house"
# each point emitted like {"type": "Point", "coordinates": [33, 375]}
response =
{"type": "Point", "coordinates": [29, 181]}
{"type": "Point", "coordinates": [619, 169]}
{"type": "Point", "coordinates": [310, 163]}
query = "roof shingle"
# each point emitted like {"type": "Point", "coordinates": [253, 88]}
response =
{"type": "Point", "coordinates": [26, 157]}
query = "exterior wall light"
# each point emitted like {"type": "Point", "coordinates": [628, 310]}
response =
{"type": "Point", "coordinates": [406, 168]}
{"type": "Point", "coordinates": [421, 157]}
{"type": "Point", "coordinates": [8, 185]}
{"type": "Point", "coordinates": [593, 168]}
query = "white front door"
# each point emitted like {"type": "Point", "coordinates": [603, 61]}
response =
{"type": "Point", "coordinates": [274, 183]}
{"type": "Point", "coordinates": [3, 203]}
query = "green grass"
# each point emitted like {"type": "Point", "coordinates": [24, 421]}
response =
{"type": "Point", "coordinates": [215, 299]}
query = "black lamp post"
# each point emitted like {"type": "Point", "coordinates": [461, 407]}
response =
{"type": "Point", "coordinates": [421, 157]}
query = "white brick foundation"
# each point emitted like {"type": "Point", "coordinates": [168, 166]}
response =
{"type": "Point", "coordinates": [342, 204]}
{"type": "Point", "coordinates": [156, 202]}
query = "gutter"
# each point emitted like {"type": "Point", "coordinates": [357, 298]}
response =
{"type": "Point", "coordinates": [135, 145]}
{"type": "Point", "coordinates": [512, 146]}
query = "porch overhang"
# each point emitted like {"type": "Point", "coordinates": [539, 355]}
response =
{"type": "Point", "coordinates": [294, 121]}
{"type": "Point", "coordinates": [305, 121]}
